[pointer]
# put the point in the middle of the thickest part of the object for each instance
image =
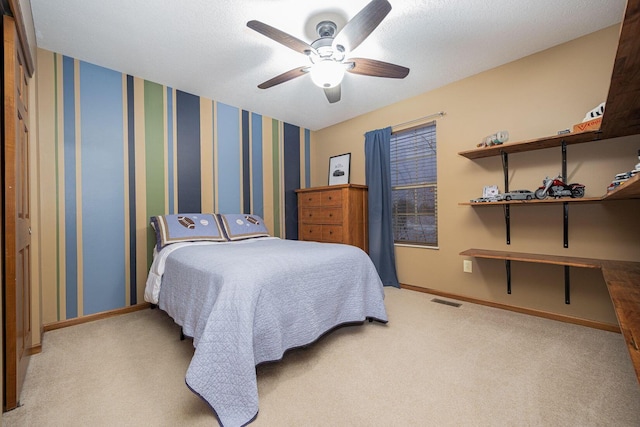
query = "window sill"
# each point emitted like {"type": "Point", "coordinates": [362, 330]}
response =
{"type": "Point", "coordinates": [409, 245]}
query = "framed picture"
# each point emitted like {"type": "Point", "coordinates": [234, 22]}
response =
{"type": "Point", "coordinates": [339, 169]}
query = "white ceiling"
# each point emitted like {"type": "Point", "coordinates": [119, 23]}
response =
{"type": "Point", "coordinates": [204, 46]}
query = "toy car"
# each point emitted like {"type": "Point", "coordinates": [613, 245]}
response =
{"type": "Point", "coordinates": [495, 198]}
{"type": "Point", "coordinates": [623, 176]}
{"type": "Point", "coordinates": [518, 195]}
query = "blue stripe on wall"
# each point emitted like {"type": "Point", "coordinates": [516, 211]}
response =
{"type": "Point", "coordinates": [170, 150]}
{"type": "Point", "coordinates": [71, 233]}
{"type": "Point", "coordinates": [188, 152]}
{"type": "Point", "coordinates": [246, 171]}
{"type": "Point", "coordinates": [131, 136]}
{"type": "Point", "coordinates": [229, 150]}
{"type": "Point", "coordinates": [102, 188]}
{"type": "Point", "coordinates": [291, 179]}
{"type": "Point", "coordinates": [256, 162]}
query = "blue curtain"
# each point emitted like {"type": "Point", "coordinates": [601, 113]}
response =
{"type": "Point", "coordinates": [377, 150]}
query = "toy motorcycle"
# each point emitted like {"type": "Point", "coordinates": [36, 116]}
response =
{"type": "Point", "coordinates": [555, 187]}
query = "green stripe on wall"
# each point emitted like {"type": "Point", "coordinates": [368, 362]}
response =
{"type": "Point", "coordinates": [154, 155]}
{"type": "Point", "coordinates": [275, 145]}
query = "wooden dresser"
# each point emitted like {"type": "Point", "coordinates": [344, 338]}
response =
{"type": "Point", "coordinates": [334, 214]}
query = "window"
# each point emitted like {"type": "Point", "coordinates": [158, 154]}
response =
{"type": "Point", "coordinates": [414, 187]}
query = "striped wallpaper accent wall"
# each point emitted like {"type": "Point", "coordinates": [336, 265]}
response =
{"type": "Point", "coordinates": [117, 149]}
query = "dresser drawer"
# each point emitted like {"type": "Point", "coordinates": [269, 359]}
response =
{"type": "Point", "coordinates": [311, 232]}
{"type": "Point", "coordinates": [321, 215]}
{"type": "Point", "coordinates": [309, 199]}
{"type": "Point", "coordinates": [332, 233]}
{"type": "Point", "coordinates": [321, 233]}
{"type": "Point", "coordinates": [332, 198]}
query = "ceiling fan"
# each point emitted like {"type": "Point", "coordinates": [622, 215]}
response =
{"type": "Point", "coordinates": [327, 54]}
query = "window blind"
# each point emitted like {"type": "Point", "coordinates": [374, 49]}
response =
{"type": "Point", "coordinates": [414, 185]}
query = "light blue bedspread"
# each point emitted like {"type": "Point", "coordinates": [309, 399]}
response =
{"type": "Point", "coordinates": [248, 302]}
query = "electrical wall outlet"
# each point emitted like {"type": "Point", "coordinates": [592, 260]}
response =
{"type": "Point", "coordinates": [467, 266]}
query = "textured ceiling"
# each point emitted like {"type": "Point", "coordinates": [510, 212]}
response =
{"type": "Point", "coordinates": [204, 46]}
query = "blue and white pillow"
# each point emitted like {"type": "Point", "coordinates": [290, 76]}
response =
{"type": "Point", "coordinates": [186, 228]}
{"type": "Point", "coordinates": [243, 226]}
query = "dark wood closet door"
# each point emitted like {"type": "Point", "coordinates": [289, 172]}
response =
{"type": "Point", "coordinates": [17, 218]}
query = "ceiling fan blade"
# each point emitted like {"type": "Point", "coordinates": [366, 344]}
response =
{"type": "Point", "coordinates": [281, 37]}
{"type": "Point", "coordinates": [284, 77]}
{"type": "Point", "coordinates": [333, 94]}
{"type": "Point", "coordinates": [361, 25]}
{"type": "Point", "coordinates": [372, 67]}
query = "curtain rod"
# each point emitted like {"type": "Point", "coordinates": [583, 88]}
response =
{"type": "Point", "coordinates": [420, 119]}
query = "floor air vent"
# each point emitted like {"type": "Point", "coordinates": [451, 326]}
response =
{"type": "Point", "coordinates": [451, 303]}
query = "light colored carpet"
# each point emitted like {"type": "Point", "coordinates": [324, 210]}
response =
{"type": "Point", "coordinates": [432, 365]}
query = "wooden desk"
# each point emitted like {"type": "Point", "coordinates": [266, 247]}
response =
{"type": "Point", "coordinates": [622, 279]}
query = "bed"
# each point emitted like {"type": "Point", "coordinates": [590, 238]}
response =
{"type": "Point", "coordinates": [246, 297]}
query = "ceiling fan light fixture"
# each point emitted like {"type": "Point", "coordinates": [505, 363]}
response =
{"type": "Point", "coordinates": [328, 53]}
{"type": "Point", "coordinates": [327, 73]}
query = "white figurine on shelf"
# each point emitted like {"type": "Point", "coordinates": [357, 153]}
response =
{"type": "Point", "coordinates": [494, 139]}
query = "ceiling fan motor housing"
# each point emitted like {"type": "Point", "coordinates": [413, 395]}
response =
{"type": "Point", "coordinates": [326, 29]}
{"type": "Point", "coordinates": [324, 45]}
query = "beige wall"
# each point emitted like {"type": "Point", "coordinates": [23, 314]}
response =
{"type": "Point", "coordinates": [531, 98]}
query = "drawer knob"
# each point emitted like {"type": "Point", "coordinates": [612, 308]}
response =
{"type": "Point", "coordinates": [329, 197]}
{"type": "Point", "coordinates": [330, 215]}
{"type": "Point", "coordinates": [330, 232]}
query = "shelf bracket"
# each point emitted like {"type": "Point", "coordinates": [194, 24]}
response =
{"type": "Point", "coordinates": [565, 224]}
{"type": "Point", "coordinates": [507, 220]}
{"type": "Point", "coordinates": [565, 205]}
{"type": "Point", "coordinates": [507, 208]}
{"type": "Point", "coordinates": [567, 285]}
{"type": "Point", "coordinates": [564, 160]}
{"type": "Point", "coordinates": [507, 264]}
{"type": "Point", "coordinates": [505, 170]}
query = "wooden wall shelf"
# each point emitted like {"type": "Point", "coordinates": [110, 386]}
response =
{"type": "Point", "coordinates": [534, 201]}
{"type": "Point", "coordinates": [629, 190]}
{"type": "Point", "coordinates": [532, 144]}
{"type": "Point", "coordinates": [536, 258]}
